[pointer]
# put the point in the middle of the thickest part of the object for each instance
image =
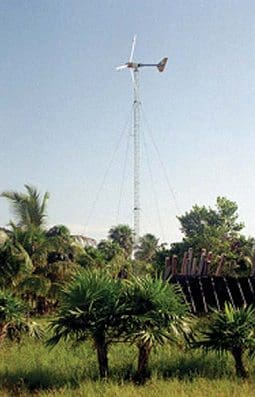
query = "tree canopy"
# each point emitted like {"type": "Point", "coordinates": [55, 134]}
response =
{"type": "Point", "coordinates": [215, 229]}
{"type": "Point", "coordinates": [124, 237]}
{"type": "Point", "coordinates": [147, 247]}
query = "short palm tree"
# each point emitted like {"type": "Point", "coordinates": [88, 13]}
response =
{"type": "Point", "coordinates": [155, 314]}
{"type": "Point", "coordinates": [232, 330]}
{"type": "Point", "coordinates": [90, 307]}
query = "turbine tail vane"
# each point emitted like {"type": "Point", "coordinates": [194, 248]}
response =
{"type": "Point", "coordinates": [161, 65]}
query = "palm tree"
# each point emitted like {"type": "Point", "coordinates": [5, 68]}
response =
{"type": "Point", "coordinates": [232, 330]}
{"type": "Point", "coordinates": [34, 241]}
{"type": "Point", "coordinates": [28, 208]}
{"type": "Point", "coordinates": [90, 307]}
{"type": "Point", "coordinates": [90, 258]}
{"type": "Point", "coordinates": [59, 231]}
{"type": "Point", "coordinates": [108, 249]}
{"type": "Point", "coordinates": [36, 264]}
{"type": "Point", "coordinates": [124, 237]}
{"type": "Point", "coordinates": [155, 314]}
{"type": "Point", "coordinates": [61, 244]}
{"type": "Point", "coordinates": [147, 247]}
{"type": "Point", "coordinates": [29, 242]}
{"type": "Point", "coordinates": [13, 318]}
{"type": "Point", "coordinates": [15, 264]}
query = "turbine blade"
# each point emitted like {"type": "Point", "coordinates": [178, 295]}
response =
{"type": "Point", "coordinates": [132, 49]}
{"type": "Point", "coordinates": [133, 79]}
{"type": "Point", "coordinates": [121, 67]}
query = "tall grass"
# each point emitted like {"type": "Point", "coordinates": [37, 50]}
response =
{"type": "Point", "coordinates": [31, 368]}
{"type": "Point", "coordinates": [159, 388]}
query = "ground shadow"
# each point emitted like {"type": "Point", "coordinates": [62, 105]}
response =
{"type": "Point", "coordinates": [189, 367]}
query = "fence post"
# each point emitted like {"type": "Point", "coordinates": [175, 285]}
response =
{"type": "Point", "coordinates": [220, 265]}
{"type": "Point", "coordinates": [174, 264]}
{"type": "Point", "coordinates": [194, 267]}
{"type": "Point", "coordinates": [208, 263]}
{"type": "Point", "coordinates": [202, 262]}
{"type": "Point", "coordinates": [184, 263]}
{"type": "Point", "coordinates": [167, 271]}
{"type": "Point", "coordinates": [189, 261]}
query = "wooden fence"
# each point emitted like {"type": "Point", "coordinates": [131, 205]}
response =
{"type": "Point", "coordinates": [203, 289]}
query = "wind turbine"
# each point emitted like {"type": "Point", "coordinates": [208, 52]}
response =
{"type": "Point", "coordinates": [134, 69]}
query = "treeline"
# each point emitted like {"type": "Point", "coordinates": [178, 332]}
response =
{"type": "Point", "coordinates": [35, 262]}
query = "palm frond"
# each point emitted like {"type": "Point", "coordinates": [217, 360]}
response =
{"type": "Point", "coordinates": [155, 311]}
{"type": "Point", "coordinates": [89, 306]}
{"type": "Point", "coordinates": [28, 208]}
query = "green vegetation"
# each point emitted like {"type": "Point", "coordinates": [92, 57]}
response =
{"type": "Point", "coordinates": [91, 306]}
{"type": "Point", "coordinates": [37, 262]}
{"type": "Point", "coordinates": [143, 311]}
{"type": "Point", "coordinates": [104, 301]}
{"type": "Point", "coordinates": [232, 330]}
{"type": "Point", "coordinates": [148, 246]}
{"type": "Point", "coordinates": [29, 368]}
{"type": "Point", "coordinates": [123, 236]}
{"type": "Point", "coordinates": [217, 230]}
{"type": "Point", "coordinates": [28, 208]}
{"type": "Point", "coordinates": [13, 320]}
{"type": "Point", "coordinates": [155, 315]}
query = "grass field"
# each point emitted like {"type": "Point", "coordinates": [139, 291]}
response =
{"type": "Point", "coordinates": [29, 368]}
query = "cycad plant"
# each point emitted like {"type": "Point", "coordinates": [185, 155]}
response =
{"type": "Point", "coordinates": [90, 307]}
{"type": "Point", "coordinates": [155, 314]}
{"type": "Point", "coordinates": [233, 331]}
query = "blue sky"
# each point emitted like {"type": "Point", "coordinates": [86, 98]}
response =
{"type": "Point", "coordinates": [64, 108]}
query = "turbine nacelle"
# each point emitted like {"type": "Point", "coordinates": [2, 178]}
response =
{"type": "Point", "coordinates": [133, 65]}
